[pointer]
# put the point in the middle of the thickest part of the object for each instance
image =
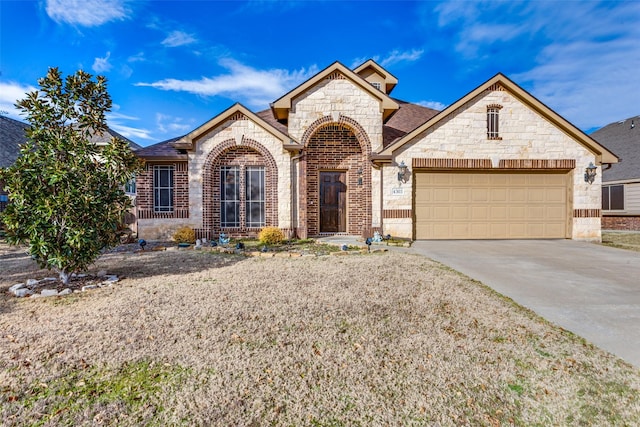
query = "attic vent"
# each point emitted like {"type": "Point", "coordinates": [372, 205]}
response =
{"type": "Point", "coordinates": [377, 85]}
{"type": "Point", "coordinates": [336, 75]}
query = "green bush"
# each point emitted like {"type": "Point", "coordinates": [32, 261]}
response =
{"type": "Point", "coordinates": [185, 235]}
{"type": "Point", "coordinates": [271, 235]}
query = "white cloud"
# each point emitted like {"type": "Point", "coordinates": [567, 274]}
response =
{"type": "Point", "coordinates": [138, 57]}
{"type": "Point", "coordinates": [101, 65]}
{"type": "Point", "coordinates": [178, 38]}
{"type": "Point", "coordinates": [436, 105]}
{"type": "Point", "coordinates": [580, 61]}
{"type": "Point", "coordinates": [115, 122]}
{"type": "Point", "coordinates": [397, 56]}
{"type": "Point", "coordinates": [10, 92]}
{"type": "Point", "coordinates": [88, 13]}
{"type": "Point", "coordinates": [393, 57]}
{"type": "Point", "coordinates": [175, 125]}
{"type": "Point", "coordinates": [255, 87]}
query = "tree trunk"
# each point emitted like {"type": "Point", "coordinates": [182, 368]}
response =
{"type": "Point", "coordinates": [64, 276]}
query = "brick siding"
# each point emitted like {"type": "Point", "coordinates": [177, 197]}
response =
{"type": "Point", "coordinates": [337, 147]}
{"type": "Point", "coordinates": [228, 153]}
{"type": "Point", "coordinates": [144, 192]}
{"type": "Point", "coordinates": [631, 223]}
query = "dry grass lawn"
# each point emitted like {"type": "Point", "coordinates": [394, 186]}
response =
{"type": "Point", "coordinates": [193, 338]}
{"type": "Point", "coordinates": [622, 240]}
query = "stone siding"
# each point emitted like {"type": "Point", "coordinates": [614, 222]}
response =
{"type": "Point", "coordinates": [523, 134]}
{"type": "Point", "coordinates": [241, 132]}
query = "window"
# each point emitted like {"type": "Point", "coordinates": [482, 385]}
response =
{"type": "Point", "coordinates": [163, 188]}
{"type": "Point", "coordinates": [130, 186]}
{"type": "Point", "coordinates": [377, 85]}
{"type": "Point", "coordinates": [493, 115]}
{"type": "Point", "coordinates": [233, 193]}
{"type": "Point", "coordinates": [255, 196]}
{"type": "Point", "coordinates": [612, 197]}
{"type": "Point", "coordinates": [230, 196]}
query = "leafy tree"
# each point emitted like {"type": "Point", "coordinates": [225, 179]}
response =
{"type": "Point", "coordinates": [66, 195]}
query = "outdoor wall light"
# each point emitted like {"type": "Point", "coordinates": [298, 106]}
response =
{"type": "Point", "coordinates": [403, 172]}
{"type": "Point", "coordinates": [590, 173]}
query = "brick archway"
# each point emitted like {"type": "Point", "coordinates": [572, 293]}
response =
{"type": "Point", "coordinates": [230, 153]}
{"type": "Point", "coordinates": [336, 145]}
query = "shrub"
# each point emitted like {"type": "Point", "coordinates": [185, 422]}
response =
{"type": "Point", "coordinates": [185, 235]}
{"type": "Point", "coordinates": [271, 235]}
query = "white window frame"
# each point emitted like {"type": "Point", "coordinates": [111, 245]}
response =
{"type": "Point", "coordinates": [377, 85]}
{"type": "Point", "coordinates": [232, 200]}
{"type": "Point", "coordinates": [260, 200]}
{"type": "Point", "coordinates": [493, 122]}
{"type": "Point", "coordinates": [158, 189]}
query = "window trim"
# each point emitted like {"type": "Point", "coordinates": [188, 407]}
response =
{"type": "Point", "coordinates": [493, 122]}
{"type": "Point", "coordinates": [157, 188]}
{"type": "Point", "coordinates": [236, 199]}
{"type": "Point", "coordinates": [262, 201]}
{"type": "Point", "coordinates": [240, 198]}
{"type": "Point", "coordinates": [608, 198]}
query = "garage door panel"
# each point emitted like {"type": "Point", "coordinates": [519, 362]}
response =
{"type": "Point", "coordinates": [461, 205]}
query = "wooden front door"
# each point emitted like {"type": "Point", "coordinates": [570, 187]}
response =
{"type": "Point", "coordinates": [333, 202]}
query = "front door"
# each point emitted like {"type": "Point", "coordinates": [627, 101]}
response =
{"type": "Point", "coordinates": [333, 198]}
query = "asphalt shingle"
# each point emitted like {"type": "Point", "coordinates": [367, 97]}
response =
{"type": "Point", "coordinates": [622, 138]}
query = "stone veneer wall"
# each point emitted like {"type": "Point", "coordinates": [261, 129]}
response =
{"type": "Point", "coordinates": [524, 134]}
{"type": "Point", "coordinates": [241, 133]}
{"type": "Point", "coordinates": [341, 100]}
{"type": "Point", "coordinates": [230, 154]}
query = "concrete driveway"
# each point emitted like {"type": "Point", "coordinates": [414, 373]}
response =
{"type": "Point", "coordinates": [591, 290]}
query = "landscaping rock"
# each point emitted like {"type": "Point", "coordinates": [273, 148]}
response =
{"type": "Point", "coordinates": [66, 291]}
{"type": "Point", "coordinates": [101, 273]}
{"type": "Point", "coordinates": [31, 282]}
{"type": "Point", "coordinates": [23, 292]}
{"type": "Point", "coordinates": [88, 287]}
{"type": "Point", "coordinates": [15, 287]}
{"type": "Point", "coordinates": [48, 292]}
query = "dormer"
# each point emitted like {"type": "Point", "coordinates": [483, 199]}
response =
{"type": "Point", "coordinates": [377, 76]}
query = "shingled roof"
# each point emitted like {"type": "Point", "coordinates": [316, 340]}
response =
{"type": "Point", "coordinates": [162, 151]}
{"type": "Point", "coordinates": [623, 138]}
{"type": "Point", "coordinates": [407, 118]}
{"type": "Point", "coordinates": [12, 135]}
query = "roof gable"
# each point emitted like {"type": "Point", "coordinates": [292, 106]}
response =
{"type": "Point", "coordinates": [602, 154]}
{"type": "Point", "coordinates": [281, 106]}
{"type": "Point", "coordinates": [187, 141]}
{"type": "Point", "coordinates": [369, 66]}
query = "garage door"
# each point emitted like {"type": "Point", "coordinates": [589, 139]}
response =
{"type": "Point", "coordinates": [464, 205]}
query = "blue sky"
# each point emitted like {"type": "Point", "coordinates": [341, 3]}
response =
{"type": "Point", "coordinates": [173, 65]}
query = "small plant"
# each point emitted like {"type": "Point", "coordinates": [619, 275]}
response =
{"type": "Point", "coordinates": [185, 235]}
{"type": "Point", "coordinates": [271, 236]}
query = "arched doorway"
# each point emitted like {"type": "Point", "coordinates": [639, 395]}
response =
{"type": "Point", "coordinates": [336, 179]}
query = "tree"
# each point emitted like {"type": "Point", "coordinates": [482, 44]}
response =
{"type": "Point", "coordinates": [66, 194]}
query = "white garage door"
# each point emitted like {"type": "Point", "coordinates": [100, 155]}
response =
{"type": "Point", "coordinates": [462, 205]}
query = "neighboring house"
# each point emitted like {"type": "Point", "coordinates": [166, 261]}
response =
{"type": "Point", "coordinates": [339, 155]}
{"type": "Point", "coordinates": [12, 135]}
{"type": "Point", "coordinates": [621, 183]}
